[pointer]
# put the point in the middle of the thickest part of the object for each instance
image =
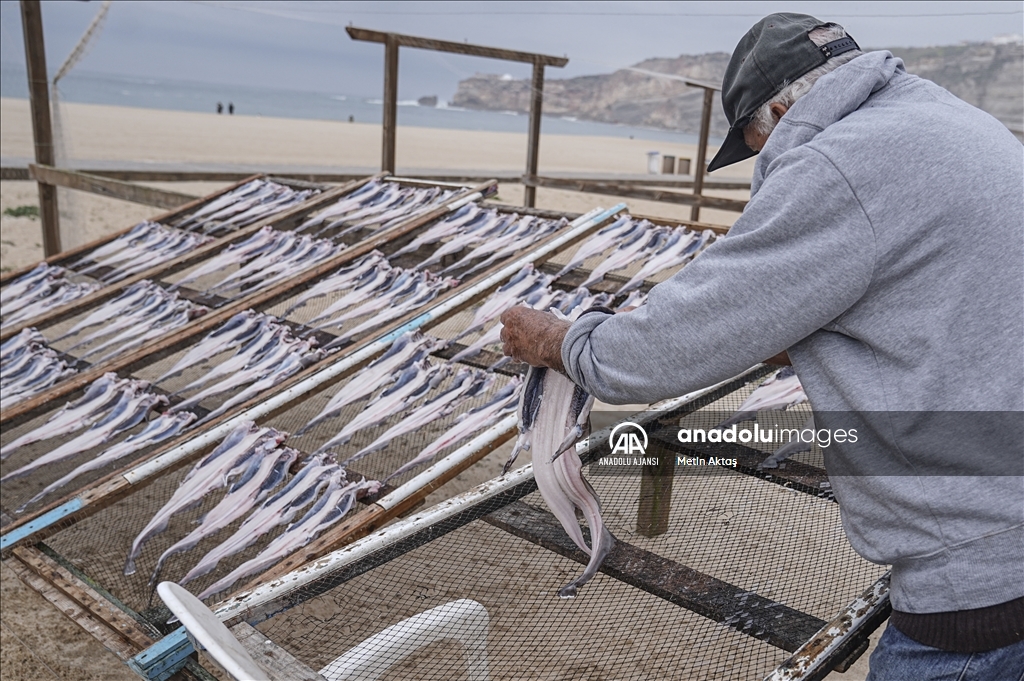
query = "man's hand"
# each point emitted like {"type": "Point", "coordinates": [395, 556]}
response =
{"type": "Point", "coordinates": [533, 337]}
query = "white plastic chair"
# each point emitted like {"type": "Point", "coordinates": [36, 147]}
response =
{"type": "Point", "coordinates": [465, 621]}
{"type": "Point", "coordinates": [204, 628]}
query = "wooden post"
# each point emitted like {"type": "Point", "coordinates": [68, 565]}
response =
{"type": "Point", "coordinates": [390, 102]}
{"type": "Point", "coordinates": [655, 496]}
{"type": "Point", "coordinates": [533, 139]}
{"type": "Point", "coordinates": [702, 150]}
{"type": "Point", "coordinates": [42, 132]}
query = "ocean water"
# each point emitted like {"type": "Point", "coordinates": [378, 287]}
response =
{"type": "Point", "coordinates": [92, 88]}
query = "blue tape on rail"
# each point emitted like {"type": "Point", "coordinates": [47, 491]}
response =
{"type": "Point", "coordinates": [8, 539]}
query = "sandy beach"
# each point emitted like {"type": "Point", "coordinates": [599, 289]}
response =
{"type": "Point", "coordinates": [111, 136]}
{"type": "Point", "coordinates": [106, 136]}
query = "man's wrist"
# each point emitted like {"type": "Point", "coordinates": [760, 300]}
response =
{"type": "Point", "coordinates": [553, 345]}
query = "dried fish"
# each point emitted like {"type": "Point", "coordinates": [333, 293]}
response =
{"type": "Point", "coordinates": [629, 251]}
{"type": "Point", "coordinates": [636, 298]}
{"type": "Point", "coordinates": [229, 459]}
{"type": "Point", "coordinates": [231, 334]}
{"type": "Point", "coordinates": [259, 368]}
{"type": "Point", "coordinates": [268, 334]}
{"type": "Point", "coordinates": [49, 297]}
{"type": "Point", "coordinates": [467, 384]}
{"type": "Point", "coordinates": [680, 247]}
{"type": "Point", "coordinates": [30, 370]}
{"type": "Point", "coordinates": [132, 297]}
{"type": "Point", "coordinates": [525, 282]}
{"type": "Point", "coordinates": [518, 232]}
{"type": "Point", "coordinates": [423, 295]}
{"type": "Point", "coordinates": [294, 362]}
{"type": "Point", "coordinates": [493, 223]}
{"type": "Point", "coordinates": [156, 431]}
{"type": "Point", "coordinates": [19, 342]}
{"type": "Point", "coordinates": [131, 408]}
{"type": "Point", "coordinates": [220, 202]}
{"type": "Point", "coordinates": [102, 394]}
{"type": "Point", "coordinates": [333, 505]}
{"type": "Point", "coordinates": [145, 245]}
{"type": "Point", "coordinates": [779, 391]}
{"type": "Point", "coordinates": [341, 279]}
{"type": "Point", "coordinates": [405, 350]}
{"type": "Point", "coordinates": [553, 414]}
{"type": "Point", "coordinates": [446, 227]}
{"type": "Point", "coordinates": [278, 510]}
{"type": "Point", "coordinates": [258, 480]}
{"type": "Point", "coordinates": [410, 386]}
{"type": "Point", "coordinates": [23, 285]}
{"type": "Point", "coordinates": [622, 229]}
{"type": "Point", "coordinates": [263, 240]}
{"type": "Point", "coordinates": [472, 422]}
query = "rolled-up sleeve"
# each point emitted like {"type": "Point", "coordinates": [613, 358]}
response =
{"type": "Point", "coordinates": [800, 255]}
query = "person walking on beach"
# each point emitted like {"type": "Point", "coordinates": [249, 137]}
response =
{"type": "Point", "coordinates": [231, 108]}
{"type": "Point", "coordinates": [220, 108]}
{"type": "Point", "coordinates": [882, 253]}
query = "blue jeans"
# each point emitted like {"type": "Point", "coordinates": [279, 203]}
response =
{"type": "Point", "coordinates": [900, 658]}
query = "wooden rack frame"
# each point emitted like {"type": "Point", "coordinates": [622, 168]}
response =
{"type": "Point", "coordinates": [392, 41]}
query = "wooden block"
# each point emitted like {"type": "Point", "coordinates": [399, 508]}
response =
{"type": "Point", "coordinates": [278, 663]}
{"type": "Point", "coordinates": [91, 603]}
{"type": "Point", "coordinates": [73, 610]}
{"type": "Point", "coordinates": [655, 496]}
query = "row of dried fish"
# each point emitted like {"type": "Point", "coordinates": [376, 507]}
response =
{"type": "Point", "coordinates": [244, 205]}
{"type": "Point", "coordinates": [265, 258]}
{"type": "Point", "coordinates": [404, 381]}
{"type": "Point", "coordinates": [142, 312]}
{"type": "Point", "coordinates": [36, 292]}
{"type": "Point", "coordinates": [634, 240]}
{"type": "Point", "coordinates": [110, 407]}
{"type": "Point", "coordinates": [251, 463]}
{"type": "Point", "coordinates": [488, 234]}
{"type": "Point", "coordinates": [266, 353]}
{"type": "Point", "coordinates": [28, 366]}
{"type": "Point", "coordinates": [381, 295]}
{"type": "Point", "coordinates": [377, 204]}
{"type": "Point", "coordinates": [143, 246]}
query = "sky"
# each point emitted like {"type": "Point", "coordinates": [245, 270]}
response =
{"type": "Point", "coordinates": [303, 45]}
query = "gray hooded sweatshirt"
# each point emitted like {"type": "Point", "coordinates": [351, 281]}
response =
{"type": "Point", "coordinates": [883, 247]}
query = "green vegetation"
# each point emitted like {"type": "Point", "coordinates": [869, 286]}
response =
{"type": "Point", "coordinates": [23, 212]}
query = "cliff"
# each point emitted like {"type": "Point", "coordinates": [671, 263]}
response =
{"type": "Point", "coordinates": [988, 76]}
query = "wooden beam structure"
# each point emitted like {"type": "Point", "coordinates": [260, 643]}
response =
{"type": "Point", "coordinates": [42, 129]}
{"type": "Point", "coordinates": [467, 49]}
{"type": "Point", "coordinates": [113, 189]}
{"type": "Point", "coordinates": [645, 193]}
{"type": "Point", "coordinates": [505, 177]}
{"type": "Point", "coordinates": [392, 41]}
{"type": "Point", "coordinates": [533, 135]}
{"type": "Point", "coordinates": [390, 126]}
{"type": "Point", "coordinates": [702, 150]}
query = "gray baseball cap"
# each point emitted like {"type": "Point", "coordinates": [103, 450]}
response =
{"type": "Point", "coordinates": [774, 53]}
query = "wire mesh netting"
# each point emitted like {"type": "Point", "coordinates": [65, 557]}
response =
{"type": "Point", "coordinates": [747, 569]}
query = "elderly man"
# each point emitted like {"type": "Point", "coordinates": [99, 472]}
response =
{"type": "Point", "coordinates": [883, 248]}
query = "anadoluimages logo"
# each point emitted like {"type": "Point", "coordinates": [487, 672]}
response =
{"type": "Point", "coordinates": [625, 439]}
